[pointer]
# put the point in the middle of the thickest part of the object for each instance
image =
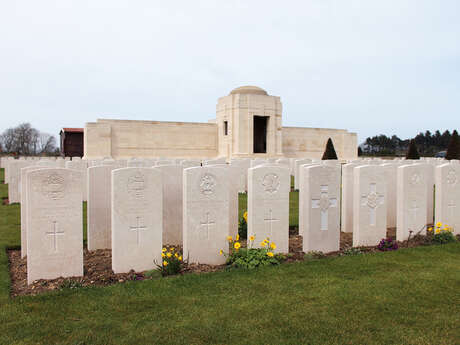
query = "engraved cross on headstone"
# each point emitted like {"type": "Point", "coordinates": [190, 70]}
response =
{"type": "Point", "coordinates": [55, 234]}
{"type": "Point", "coordinates": [137, 229]}
{"type": "Point", "coordinates": [372, 200]}
{"type": "Point", "coordinates": [324, 203]}
{"type": "Point", "coordinates": [271, 220]}
{"type": "Point", "coordinates": [207, 224]}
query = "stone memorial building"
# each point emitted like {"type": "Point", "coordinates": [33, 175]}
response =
{"type": "Point", "coordinates": [248, 124]}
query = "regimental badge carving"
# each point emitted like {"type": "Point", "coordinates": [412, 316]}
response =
{"type": "Point", "coordinates": [271, 183]}
{"type": "Point", "coordinates": [451, 177]}
{"type": "Point", "coordinates": [53, 186]}
{"type": "Point", "coordinates": [415, 179]}
{"type": "Point", "coordinates": [137, 185]}
{"type": "Point", "coordinates": [207, 184]}
{"type": "Point", "coordinates": [372, 199]}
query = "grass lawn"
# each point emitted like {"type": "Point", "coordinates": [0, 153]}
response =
{"type": "Point", "coordinates": [411, 296]}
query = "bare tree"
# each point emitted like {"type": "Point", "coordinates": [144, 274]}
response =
{"type": "Point", "coordinates": [26, 140]}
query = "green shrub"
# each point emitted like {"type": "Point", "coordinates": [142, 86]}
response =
{"type": "Point", "coordinates": [453, 150]}
{"type": "Point", "coordinates": [412, 152]}
{"type": "Point", "coordinates": [329, 152]}
{"type": "Point", "coordinates": [172, 262]}
{"type": "Point", "coordinates": [442, 234]}
{"type": "Point", "coordinates": [250, 258]}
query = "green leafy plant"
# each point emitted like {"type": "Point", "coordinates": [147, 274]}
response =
{"type": "Point", "coordinates": [441, 234]}
{"type": "Point", "coordinates": [173, 262]}
{"type": "Point", "coordinates": [312, 255]}
{"type": "Point", "coordinates": [243, 226]}
{"type": "Point", "coordinates": [250, 257]}
{"type": "Point", "coordinates": [71, 284]}
{"type": "Point", "coordinates": [352, 251]}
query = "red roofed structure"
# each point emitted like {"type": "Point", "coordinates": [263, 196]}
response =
{"type": "Point", "coordinates": [72, 142]}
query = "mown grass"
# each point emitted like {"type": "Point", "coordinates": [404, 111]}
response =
{"type": "Point", "coordinates": [410, 296]}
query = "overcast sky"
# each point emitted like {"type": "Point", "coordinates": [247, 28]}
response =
{"type": "Point", "coordinates": [371, 67]}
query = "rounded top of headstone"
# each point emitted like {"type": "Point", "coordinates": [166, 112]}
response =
{"type": "Point", "coordinates": [253, 90]}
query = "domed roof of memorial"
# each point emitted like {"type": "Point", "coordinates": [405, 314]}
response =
{"type": "Point", "coordinates": [253, 90]}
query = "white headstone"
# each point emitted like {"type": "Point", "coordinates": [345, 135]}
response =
{"type": "Point", "coordinates": [54, 224]}
{"type": "Point", "coordinates": [297, 164]}
{"type": "Point", "coordinates": [347, 196]}
{"type": "Point", "coordinates": [172, 177]}
{"type": "Point", "coordinates": [447, 179]}
{"type": "Point", "coordinates": [369, 207]}
{"type": "Point", "coordinates": [14, 192]}
{"type": "Point", "coordinates": [268, 205]}
{"type": "Point", "coordinates": [82, 166]}
{"type": "Point", "coordinates": [321, 199]}
{"type": "Point", "coordinates": [411, 201]}
{"type": "Point", "coordinates": [99, 207]}
{"type": "Point", "coordinates": [23, 201]}
{"type": "Point", "coordinates": [206, 210]}
{"type": "Point", "coordinates": [137, 219]}
{"type": "Point", "coordinates": [390, 174]}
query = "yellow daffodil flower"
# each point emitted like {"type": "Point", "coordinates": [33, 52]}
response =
{"type": "Point", "coordinates": [176, 255]}
{"type": "Point", "coordinates": [438, 224]}
{"type": "Point", "coordinates": [270, 254]}
{"type": "Point", "coordinates": [168, 255]}
{"type": "Point", "coordinates": [229, 238]}
{"type": "Point", "coordinates": [165, 263]}
{"type": "Point", "coordinates": [245, 216]}
{"type": "Point", "coordinates": [252, 238]}
{"type": "Point", "coordinates": [237, 237]}
{"type": "Point", "coordinates": [163, 255]}
{"type": "Point", "coordinates": [438, 231]}
{"type": "Point", "coordinates": [221, 252]}
{"type": "Point", "coordinates": [263, 244]}
{"type": "Point", "coordinates": [180, 258]}
{"type": "Point", "coordinates": [237, 245]}
{"type": "Point", "coordinates": [273, 246]}
{"type": "Point", "coordinates": [430, 229]}
{"type": "Point", "coordinates": [163, 250]}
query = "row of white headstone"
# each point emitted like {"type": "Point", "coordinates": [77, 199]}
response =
{"type": "Point", "coordinates": [268, 207]}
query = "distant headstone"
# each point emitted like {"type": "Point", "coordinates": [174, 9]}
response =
{"type": "Point", "coordinates": [54, 224]}
{"type": "Point", "coordinates": [99, 207]}
{"type": "Point", "coordinates": [172, 177]}
{"type": "Point", "coordinates": [82, 166]}
{"type": "Point", "coordinates": [347, 196]}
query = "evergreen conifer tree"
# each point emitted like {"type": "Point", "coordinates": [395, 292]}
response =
{"type": "Point", "coordinates": [329, 153]}
{"type": "Point", "coordinates": [412, 152]}
{"type": "Point", "coordinates": [453, 150]}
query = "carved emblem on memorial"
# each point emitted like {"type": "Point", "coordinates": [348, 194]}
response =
{"type": "Point", "coordinates": [415, 179]}
{"type": "Point", "coordinates": [271, 183]}
{"type": "Point", "coordinates": [207, 184]}
{"type": "Point", "coordinates": [451, 177]}
{"type": "Point", "coordinates": [136, 185]}
{"type": "Point", "coordinates": [53, 186]}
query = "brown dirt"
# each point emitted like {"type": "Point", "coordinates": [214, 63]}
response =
{"type": "Point", "coordinates": [98, 265]}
